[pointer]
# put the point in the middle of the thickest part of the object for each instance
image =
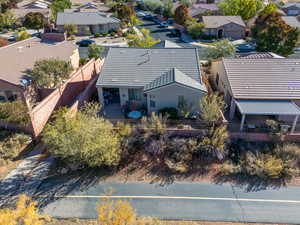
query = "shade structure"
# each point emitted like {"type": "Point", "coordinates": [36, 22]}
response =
{"type": "Point", "coordinates": [267, 107]}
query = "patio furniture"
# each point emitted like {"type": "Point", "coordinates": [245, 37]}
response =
{"type": "Point", "coordinates": [134, 114]}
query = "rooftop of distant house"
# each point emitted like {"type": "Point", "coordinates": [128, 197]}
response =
{"type": "Point", "coordinates": [22, 12]}
{"type": "Point", "coordinates": [84, 18]}
{"type": "Point", "coordinates": [217, 21]}
{"type": "Point", "coordinates": [291, 20]}
{"type": "Point", "coordinates": [17, 58]}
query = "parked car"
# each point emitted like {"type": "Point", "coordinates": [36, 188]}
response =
{"type": "Point", "coordinates": [141, 14]}
{"type": "Point", "coordinates": [175, 33]}
{"type": "Point", "coordinates": [163, 24]}
{"type": "Point", "coordinates": [170, 21]}
{"type": "Point", "coordinates": [85, 43]}
{"type": "Point", "coordinates": [245, 47]}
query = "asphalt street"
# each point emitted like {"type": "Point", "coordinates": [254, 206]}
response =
{"type": "Point", "coordinates": [165, 34]}
{"type": "Point", "coordinates": [185, 201]}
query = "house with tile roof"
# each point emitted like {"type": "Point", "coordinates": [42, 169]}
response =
{"type": "Point", "coordinates": [151, 77]}
{"type": "Point", "coordinates": [224, 26]}
{"type": "Point", "coordinates": [292, 21]}
{"type": "Point", "coordinates": [87, 22]}
{"type": "Point", "coordinates": [16, 59]}
{"type": "Point", "coordinates": [259, 87]}
{"type": "Point", "coordinates": [291, 9]}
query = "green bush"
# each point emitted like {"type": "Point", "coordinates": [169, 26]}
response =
{"type": "Point", "coordinates": [11, 144]}
{"type": "Point", "coordinates": [97, 35]}
{"type": "Point", "coordinates": [170, 112]}
{"type": "Point", "coordinates": [84, 139]}
{"type": "Point", "coordinates": [14, 112]}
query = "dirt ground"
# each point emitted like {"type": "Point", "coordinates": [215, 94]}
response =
{"type": "Point", "coordinates": [143, 169]}
{"type": "Point", "coordinates": [93, 222]}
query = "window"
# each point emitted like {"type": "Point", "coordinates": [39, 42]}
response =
{"type": "Point", "coordinates": [135, 94]}
{"type": "Point", "coordinates": [11, 96]}
{"type": "Point", "coordinates": [152, 104]}
{"type": "Point", "coordinates": [180, 100]}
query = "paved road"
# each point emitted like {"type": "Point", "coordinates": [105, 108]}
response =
{"type": "Point", "coordinates": [190, 201]}
{"type": "Point", "coordinates": [165, 34]}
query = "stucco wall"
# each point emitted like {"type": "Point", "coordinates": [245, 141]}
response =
{"type": "Point", "coordinates": [168, 97]}
{"type": "Point", "coordinates": [230, 30]}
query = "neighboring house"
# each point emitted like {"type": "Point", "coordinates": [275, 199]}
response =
{"type": "Point", "coordinates": [39, 4]}
{"type": "Point", "coordinates": [259, 87]}
{"type": "Point", "coordinates": [197, 10]}
{"type": "Point", "coordinates": [224, 26]}
{"type": "Point", "coordinates": [16, 59]}
{"type": "Point", "coordinates": [153, 77]}
{"type": "Point", "coordinates": [87, 22]}
{"type": "Point", "coordinates": [89, 7]}
{"type": "Point", "coordinates": [292, 21]}
{"type": "Point", "coordinates": [166, 44]}
{"type": "Point", "coordinates": [21, 13]}
{"type": "Point", "coordinates": [291, 9]}
{"type": "Point", "coordinates": [258, 55]}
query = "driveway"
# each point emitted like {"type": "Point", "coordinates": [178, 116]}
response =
{"type": "Point", "coordinates": [184, 201]}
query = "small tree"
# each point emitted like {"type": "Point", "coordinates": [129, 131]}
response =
{"type": "Point", "coordinates": [94, 51]}
{"type": "Point", "coordinates": [223, 48]}
{"type": "Point", "coordinates": [71, 29]}
{"type": "Point", "coordinates": [7, 19]}
{"type": "Point", "coordinates": [134, 40]}
{"type": "Point", "coordinates": [25, 213]}
{"type": "Point", "coordinates": [22, 35]}
{"type": "Point", "coordinates": [272, 34]}
{"type": "Point", "coordinates": [123, 12]}
{"type": "Point", "coordinates": [211, 108]}
{"type": "Point", "coordinates": [196, 29]}
{"type": "Point", "coordinates": [153, 6]}
{"type": "Point", "coordinates": [83, 140]}
{"type": "Point", "coordinates": [187, 3]}
{"type": "Point", "coordinates": [59, 6]}
{"type": "Point", "coordinates": [14, 112]}
{"type": "Point", "coordinates": [118, 212]}
{"type": "Point", "coordinates": [34, 20]}
{"type": "Point", "coordinates": [215, 141]}
{"type": "Point", "coordinates": [50, 73]}
{"type": "Point", "coordinates": [181, 14]}
{"type": "Point", "coordinates": [168, 9]}
{"type": "Point", "coordinates": [247, 9]}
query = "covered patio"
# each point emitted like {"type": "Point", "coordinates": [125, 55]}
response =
{"type": "Point", "coordinates": [256, 108]}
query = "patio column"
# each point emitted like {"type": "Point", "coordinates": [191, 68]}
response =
{"type": "Point", "coordinates": [100, 96]}
{"type": "Point", "coordinates": [232, 109]}
{"type": "Point", "coordinates": [242, 122]}
{"type": "Point", "coordinates": [294, 124]}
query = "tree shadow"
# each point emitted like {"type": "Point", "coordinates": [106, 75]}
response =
{"type": "Point", "coordinates": [250, 183]}
{"type": "Point", "coordinates": [57, 186]}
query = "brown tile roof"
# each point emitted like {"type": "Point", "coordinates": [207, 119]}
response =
{"type": "Point", "coordinates": [20, 13]}
{"type": "Point", "coordinates": [217, 21]}
{"type": "Point", "coordinates": [17, 58]}
{"type": "Point", "coordinates": [263, 78]}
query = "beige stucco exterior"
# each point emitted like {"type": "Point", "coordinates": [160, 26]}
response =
{"type": "Point", "coordinates": [92, 29]}
{"type": "Point", "coordinates": [230, 30]}
{"type": "Point", "coordinates": [168, 96]}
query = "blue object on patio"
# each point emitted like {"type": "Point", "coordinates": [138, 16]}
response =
{"type": "Point", "coordinates": [135, 114]}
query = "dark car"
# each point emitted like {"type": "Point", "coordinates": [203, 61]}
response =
{"type": "Point", "coordinates": [85, 43]}
{"type": "Point", "coordinates": [175, 33]}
